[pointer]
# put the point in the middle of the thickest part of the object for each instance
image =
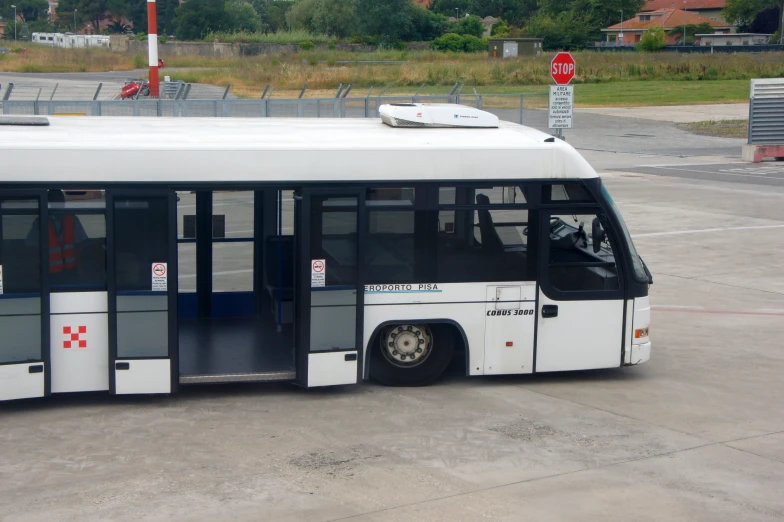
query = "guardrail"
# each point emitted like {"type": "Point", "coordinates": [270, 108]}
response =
{"type": "Point", "coordinates": [766, 120]}
{"type": "Point", "coordinates": [509, 107]}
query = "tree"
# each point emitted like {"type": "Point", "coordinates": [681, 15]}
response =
{"type": "Point", "coordinates": [26, 10]}
{"type": "Point", "coordinates": [86, 11]}
{"type": "Point", "coordinates": [691, 30]}
{"type": "Point", "coordinates": [652, 40]}
{"type": "Point", "coordinates": [427, 25]}
{"type": "Point", "coordinates": [197, 18]}
{"type": "Point", "coordinates": [335, 18]}
{"type": "Point", "coordinates": [239, 15]}
{"type": "Point", "coordinates": [767, 21]}
{"type": "Point", "coordinates": [117, 27]}
{"type": "Point", "coordinates": [468, 25]}
{"type": "Point", "coordinates": [452, 7]}
{"type": "Point", "coordinates": [565, 31]}
{"type": "Point", "coordinates": [300, 16]}
{"type": "Point", "coordinates": [595, 14]}
{"type": "Point", "coordinates": [516, 12]}
{"type": "Point", "coordinates": [743, 12]}
{"type": "Point", "coordinates": [273, 13]}
{"type": "Point", "coordinates": [391, 20]}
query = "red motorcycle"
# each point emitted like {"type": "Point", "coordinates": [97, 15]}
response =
{"type": "Point", "coordinates": [135, 89]}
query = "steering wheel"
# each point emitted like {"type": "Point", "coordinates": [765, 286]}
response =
{"type": "Point", "coordinates": [555, 223]}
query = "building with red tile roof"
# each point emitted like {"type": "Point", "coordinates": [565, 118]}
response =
{"type": "Point", "coordinates": [707, 8]}
{"type": "Point", "coordinates": [668, 19]}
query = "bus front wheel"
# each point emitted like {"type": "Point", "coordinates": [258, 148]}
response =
{"type": "Point", "coordinates": [411, 354]}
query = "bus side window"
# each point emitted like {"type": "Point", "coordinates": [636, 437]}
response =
{"type": "Point", "coordinates": [580, 255]}
{"type": "Point", "coordinates": [570, 191]}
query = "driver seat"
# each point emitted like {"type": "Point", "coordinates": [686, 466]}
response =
{"type": "Point", "coordinates": [490, 239]}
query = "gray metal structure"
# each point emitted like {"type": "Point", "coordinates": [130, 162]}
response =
{"type": "Point", "coordinates": [766, 112]}
{"type": "Point", "coordinates": [509, 107]}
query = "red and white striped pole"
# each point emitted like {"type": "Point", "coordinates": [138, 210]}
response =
{"type": "Point", "coordinates": [152, 39]}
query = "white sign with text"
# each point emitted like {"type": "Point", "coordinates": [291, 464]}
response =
{"type": "Point", "coordinates": [561, 106]}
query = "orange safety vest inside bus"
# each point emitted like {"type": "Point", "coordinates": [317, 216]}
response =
{"type": "Point", "coordinates": [62, 255]}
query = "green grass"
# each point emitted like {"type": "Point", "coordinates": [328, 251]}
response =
{"type": "Point", "coordinates": [646, 93]}
{"type": "Point", "coordinates": [623, 93]}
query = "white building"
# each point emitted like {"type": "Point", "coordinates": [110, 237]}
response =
{"type": "Point", "coordinates": [718, 39]}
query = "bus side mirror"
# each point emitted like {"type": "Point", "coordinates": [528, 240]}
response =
{"type": "Point", "coordinates": [597, 234]}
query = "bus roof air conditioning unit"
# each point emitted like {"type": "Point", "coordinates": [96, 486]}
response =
{"type": "Point", "coordinates": [435, 115]}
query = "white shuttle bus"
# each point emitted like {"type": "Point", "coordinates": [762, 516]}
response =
{"type": "Point", "coordinates": [141, 254]}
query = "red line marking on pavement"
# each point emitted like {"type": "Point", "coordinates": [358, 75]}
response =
{"type": "Point", "coordinates": [724, 312]}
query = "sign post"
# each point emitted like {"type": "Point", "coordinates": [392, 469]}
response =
{"type": "Point", "coordinates": [562, 70]}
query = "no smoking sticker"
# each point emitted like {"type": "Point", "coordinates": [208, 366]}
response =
{"type": "Point", "coordinates": [318, 273]}
{"type": "Point", "coordinates": [160, 276]}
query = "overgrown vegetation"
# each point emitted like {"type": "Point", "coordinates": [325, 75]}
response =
{"type": "Point", "coordinates": [562, 24]}
{"type": "Point", "coordinates": [459, 43]}
{"type": "Point", "coordinates": [608, 75]}
{"type": "Point", "coordinates": [433, 68]}
{"type": "Point", "coordinates": [720, 128]}
{"type": "Point", "coordinates": [280, 37]}
{"type": "Point", "coordinates": [652, 40]}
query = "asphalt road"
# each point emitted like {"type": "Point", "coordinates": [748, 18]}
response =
{"type": "Point", "coordinates": [696, 434]}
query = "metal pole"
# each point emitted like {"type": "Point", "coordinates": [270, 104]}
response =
{"type": "Point", "coordinates": [56, 85]}
{"type": "Point", "coordinates": [348, 89]}
{"type": "Point", "coordinates": [621, 38]}
{"type": "Point", "coordinates": [684, 23]}
{"type": "Point", "coordinates": [152, 40]}
{"type": "Point", "coordinates": [97, 91]}
{"type": "Point", "coordinates": [522, 102]}
{"type": "Point", "coordinates": [74, 20]}
{"type": "Point", "coordinates": [279, 318]}
{"type": "Point", "coordinates": [781, 26]}
{"type": "Point", "coordinates": [340, 89]}
{"type": "Point", "coordinates": [226, 92]}
{"type": "Point", "coordinates": [265, 91]}
{"type": "Point", "coordinates": [304, 88]}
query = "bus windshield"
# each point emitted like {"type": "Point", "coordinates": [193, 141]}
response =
{"type": "Point", "coordinates": [641, 274]}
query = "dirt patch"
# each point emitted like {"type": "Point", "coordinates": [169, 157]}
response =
{"type": "Point", "coordinates": [338, 462]}
{"type": "Point", "coordinates": [538, 434]}
{"type": "Point", "coordinates": [718, 128]}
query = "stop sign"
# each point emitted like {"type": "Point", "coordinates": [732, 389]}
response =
{"type": "Point", "coordinates": [562, 68]}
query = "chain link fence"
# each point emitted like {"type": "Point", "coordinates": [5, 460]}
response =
{"type": "Point", "coordinates": [508, 107]}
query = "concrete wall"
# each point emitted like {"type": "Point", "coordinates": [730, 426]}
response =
{"type": "Point", "coordinates": [227, 50]}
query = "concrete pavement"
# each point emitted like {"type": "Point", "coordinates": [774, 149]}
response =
{"type": "Point", "coordinates": [676, 113]}
{"type": "Point", "coordinates": [695, 434]}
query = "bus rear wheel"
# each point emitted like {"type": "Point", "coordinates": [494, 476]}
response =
{"type": "Point", "coordinates": [411, 354]}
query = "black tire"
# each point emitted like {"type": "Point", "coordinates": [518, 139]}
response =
{"type": "Point", "coordinates": [383, 371]}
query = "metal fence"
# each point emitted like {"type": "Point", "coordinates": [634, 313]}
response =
{"type": "Point", "coordinates": [766, 112]}
{"type": "Point", "coordinates": [508, 107]}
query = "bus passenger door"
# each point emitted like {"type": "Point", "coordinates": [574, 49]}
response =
{"type": "Point", "coordinates": [142, 284]}
{"type": "Point", "coordinates": [329, 297]}
{"type": "Point", "coordinates": [24, 314]}
{"type": "Point", "coordinates": [581, 308]}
